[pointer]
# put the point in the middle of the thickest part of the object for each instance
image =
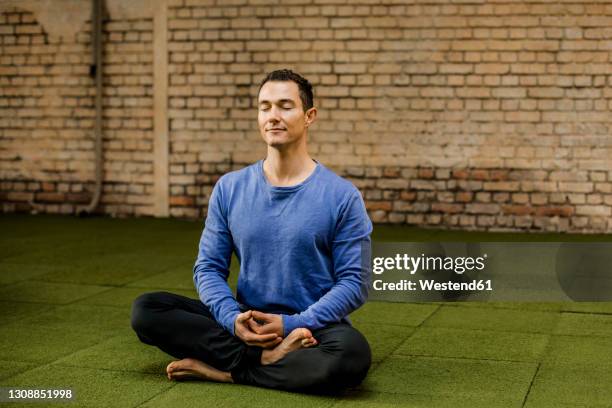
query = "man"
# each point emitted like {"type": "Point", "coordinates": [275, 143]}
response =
{"type": "Point", "coordinates": [302, 236]}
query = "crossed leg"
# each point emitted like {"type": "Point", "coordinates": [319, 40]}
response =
{"type": "Point", "coordinates": [185, 329]}
{"type": "Point", "coordinates": [190, 368]}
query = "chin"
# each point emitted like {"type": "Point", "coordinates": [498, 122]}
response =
{"type": "Point", "coordinates": [276, 142]}
{"type": "Point", "coordinates": [276, 145]}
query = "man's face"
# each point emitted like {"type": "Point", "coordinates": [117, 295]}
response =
{"type": "Point", "coordinates": [281, 117]}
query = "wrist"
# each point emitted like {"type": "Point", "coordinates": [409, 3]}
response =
{"type": "Point", "coordinates": [230, 323]}
{"type": "Point", "coordinates": [290, 322]}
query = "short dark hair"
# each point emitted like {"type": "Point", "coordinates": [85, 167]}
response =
{"type": "Point", "coordinates": [305, 87]}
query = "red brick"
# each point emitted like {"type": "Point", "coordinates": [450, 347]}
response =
{"type": "Point", "coordinates": [50, 197]}
{"type": "Point", "coordinates": [517, 209]}
{"type": "Point", "coordinates": [18, 196]}
{"type": "Point", "coordinates": [502, 186]}
{"type": "Point", "coordinates": [81, 198]}
{"type": "Point", "coordinates": [478, 208]}
{"type": "Point", "coordinates": [426, 173]}
{"type": "Point", "coordinates": [378, 205]}
{"type": "Point", "coordinates": [499, 175]}
{"type": "Point", "coordinates": [391, 172]}
{"type": "Point", "coordinates": [461, 174]}
{"type": "Point", "coordinates": [549, 211]}
{"type": "Point", "coordinates": [447, 208]}
{"type": "Point", "coordinates": [479, 174]}
{"type": "Point", "coordinates": [464, 196]}
{"type": "Point", "coordinates": [408, 195]}
{"type": "Point", "coordinates": [184, 201]}
{"type": "Point", "coordinates": [48, 186]}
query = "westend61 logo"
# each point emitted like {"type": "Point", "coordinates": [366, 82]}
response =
{"type": "Point", "coordinates": [412, 264]}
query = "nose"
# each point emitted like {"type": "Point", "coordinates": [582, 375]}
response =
{"type": "Point", "coordinates": [273, 116]}
{"type": "Point", "coordinates": [274, 112]}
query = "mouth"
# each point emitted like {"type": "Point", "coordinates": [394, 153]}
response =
{"type": "Point", "coordinates": [276, 130]}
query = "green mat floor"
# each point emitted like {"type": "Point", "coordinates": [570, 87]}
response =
{"type": "Point", "coordinates": [66, 286]}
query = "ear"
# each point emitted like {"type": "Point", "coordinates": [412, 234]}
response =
{"type": "Point", "coordinates": [310, 116]}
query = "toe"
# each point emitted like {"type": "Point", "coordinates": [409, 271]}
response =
{"type": "Point", "coordinates": [303, 333]}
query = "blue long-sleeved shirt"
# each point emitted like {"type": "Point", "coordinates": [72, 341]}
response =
{"type": "Point", "coordinates": [304, 250]}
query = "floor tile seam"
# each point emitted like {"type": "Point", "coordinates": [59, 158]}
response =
{"type": "Point", "coordinates": [63, 305]}
{"type": "Point", "coordinates": [76, 331]}
{"type": "Point", "coordinates": [115, 370]}
{"type": "Point", "coordinates": [37, 365]}
{"type": "Point", "coordinates": [492, 330]}
{"type": "Point", "coordinates": [598, 336]}
{"type": "Point", "coordinates": [457, 305]}
{"type": "Point", "coordinates": [468, 358]}
{"type": "Point", "coordinates": [70, 283]}
{"type": "Point", "coordinates": [408, 337]}
{"type": "Point", "coordinates": [62, 356]}
{"type": "Point", "coordinates": [36, 303]}
{"type": "Point", "coordinates": [495, 304]}
{"type": "Point", "coordinates": [151, 276]}
{"type": "Point", "coordinates": [166, 288]}
{"type": "Point", "coordinates": [580, 312]}
{"type": "Point", "coordinates": [406, 357]}
{"type": "Point", "coordinates": [98, 304]}
{"type": "Point", "coordinates": [430, 315]}
{"type": "Point", "coordinates": [547, 350]}
{"type": "Point", "coordinates": [65, 282]}
{"type": "Point", "coordinates": [589, 335]}
{"type": "Point", "coordinates": [105, 340]}
{"type": "Point", "coordinates": [157, 394]}
{"type": "Point", "coordinates": [27, 316]}
{"type": "Point", "coordinates": [484, 330]}
{"type": "Point", "coordinates": [16, 361]}
{"type": "Point", "coordinates": [416, 394]}
{"type": "Point", "coordinates": [531, 384]}
{"type": "Point", "coordinates": [18, 373]}
{"type": "Point", "coordinates": [73, 302]}
{"type": "Point", "coordinates": [581, 366]}
{"type": "Point", "coordinates": [424, 394]}
{"type": "Point", "coordinates": [356, 324]}
{"type": "Point", "coordinates": [60, 308]}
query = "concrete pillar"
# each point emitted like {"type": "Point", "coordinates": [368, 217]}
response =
{"type": "Point", "coordinates": [160, 110]}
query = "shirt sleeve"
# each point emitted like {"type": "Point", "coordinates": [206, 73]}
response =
{"type": "Point", "coordinates": [211, 268]}
{"type": "Point", "coordinates": [351, 256]}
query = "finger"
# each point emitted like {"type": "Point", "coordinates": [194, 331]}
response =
{"type": "Point", "coordinates": [261, 329]}
{"type": "Point", "coordinates": [260, 338]}
{"type": "Point", "coordinates": [260, 315]}
{"type": "Point", "coordinates": [256, 328]}
{"type": "Point", "coordinates": [244, 316]}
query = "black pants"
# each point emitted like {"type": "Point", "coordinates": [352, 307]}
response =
{"type": "Point", "coordinates": [185, 328]}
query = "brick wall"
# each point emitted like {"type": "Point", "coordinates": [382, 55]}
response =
{"type": "Point", "coordinates": [47, 117]}
{"type": "Point", "coordinates": [490, 116]}
{"type": "Point", "coordinates": [44, 116]}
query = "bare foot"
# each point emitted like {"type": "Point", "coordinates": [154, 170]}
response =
{"type": "Point", "coordinates": [192, 369]}
{"type": "Point", "coordinates": [298, 338]}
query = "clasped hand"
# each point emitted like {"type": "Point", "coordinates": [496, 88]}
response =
{"type": "Point", "coordinates": [259, 329]}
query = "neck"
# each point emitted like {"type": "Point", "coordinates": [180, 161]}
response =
{"type": "Point", "coordinates": [286, 167]}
